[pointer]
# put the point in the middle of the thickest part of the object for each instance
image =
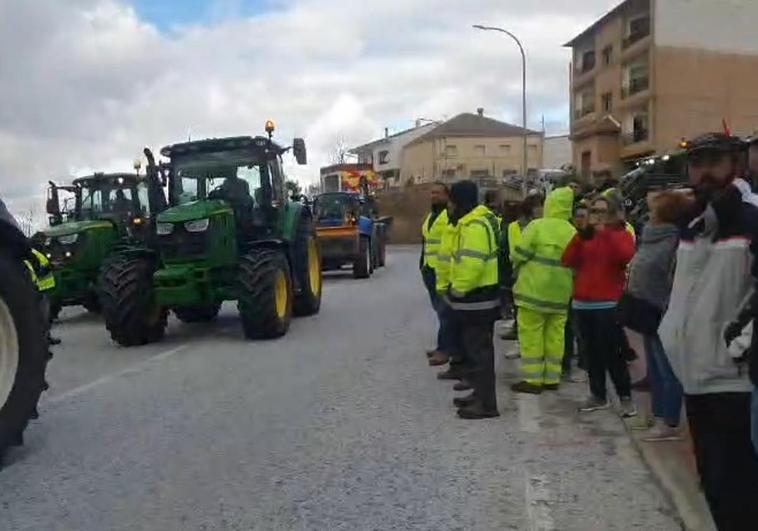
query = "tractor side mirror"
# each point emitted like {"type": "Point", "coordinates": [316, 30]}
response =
{"type": "Point", "coordinates": [53, 206]}
{"type": "Point", "coordinates": [298, 149]}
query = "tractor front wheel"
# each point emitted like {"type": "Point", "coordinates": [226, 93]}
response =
{"type": "Point", "coordinates": [362, 262]}
{"type": "Point", "coordinates": [128, 302]}
{"type": "Point", "coordinates": [23, 351]}
{"type": "Point", "coordinates": [307, 269]}
{"type": "Point", "coordinates": [265, 294]}
{"type": "Point", "coordinates": [198, 314]}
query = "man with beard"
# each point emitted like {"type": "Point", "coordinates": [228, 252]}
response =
{"type": "Point", "coordinates": [718, 248]}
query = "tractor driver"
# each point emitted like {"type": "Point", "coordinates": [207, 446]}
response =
{"type": "Point", "coordinates": [121, 205]}
{"type": "Point", "coordinates": [237, 192]}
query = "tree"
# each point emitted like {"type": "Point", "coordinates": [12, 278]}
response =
{"type": "Point", "coordinates": [293, 188]}
{"type": "Point", "coordinates": [340, 152]}
{"type": "Point", "coordinates": [27, 221]}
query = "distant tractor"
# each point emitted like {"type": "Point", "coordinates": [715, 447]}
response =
{"type": "Point", "coordinates": [350, 232]}
{"type": "Point", "coordinates": [230, 233]}
{"type": "Point", "coordinates": [23, 336]}
{"type": "Point", "coordinates": [108, 210]}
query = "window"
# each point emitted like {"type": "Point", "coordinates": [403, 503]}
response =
{"type": "Point", "coordinates": [637, 129]}
{"type": "Point", "coordinates": [479, 151]}
{"type": "Point", "coordinates": [608, 101]}
{"type": "Point", "coordinates": [384, 157]}
{"type": "Point", "coordinates": [505, 149]}
{"type": "Point", "coordinates": [588, 61]}
{"type": "Point", "coordinates": [451, 151]}
{"type": "Point", "coordinates": [608, 55]}
{"type": "Point", "coordinates": [637, 29]}
{"type": "Point", "coordinates": [585, 103]}
{"type": "Point", "coordinates": [479, 174]}
{"type": "Point", "coordinates": [532, 149]}
{"type": "Point", "coordinates": [509, 171]}
{"type": "Point", "coordinates": [636, 77]}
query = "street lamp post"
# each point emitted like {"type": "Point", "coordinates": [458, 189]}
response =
{"type": "Point", "coordinates": [525, 160]}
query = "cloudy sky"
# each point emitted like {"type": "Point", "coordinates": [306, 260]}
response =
{"type": "Point", "coordinates": [86, 84]}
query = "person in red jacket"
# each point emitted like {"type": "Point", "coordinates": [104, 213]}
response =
{"type": "Point", "coordinates": [599, 255]}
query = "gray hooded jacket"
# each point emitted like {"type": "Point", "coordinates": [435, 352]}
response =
{"type": "Point", "coordinates": [652, 269]}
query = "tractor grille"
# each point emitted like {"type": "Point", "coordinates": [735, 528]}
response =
{"type": "Point", "coordinates": [60, 253]}
{"type": "Point", "coordinates": [181, 244]}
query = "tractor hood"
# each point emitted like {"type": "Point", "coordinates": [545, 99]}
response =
{"type": "Point", "coordinates": [194, 210]}
{"type": "Point", "coordinates": [75, 227]}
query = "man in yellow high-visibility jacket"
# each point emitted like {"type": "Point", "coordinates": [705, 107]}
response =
{"type": "Point", "coordinates": [435, 224]}
{"type": "Point", "coordinates": [474, 295]}
{"type": "Point", "coordinates": [542, 292]}
{"type": "Point", "coordinates": [42, 276]}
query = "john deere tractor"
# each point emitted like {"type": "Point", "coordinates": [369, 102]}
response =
{"type": "Point", "coordinates": [109, 210]}
{"type": "Point", "coordinates": [230, 233]}
{"type": "Point", "coordinates": [23, 336]}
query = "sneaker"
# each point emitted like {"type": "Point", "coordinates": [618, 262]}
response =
{"type": "Point", "coordinates": [662, 433]}
{"type": "Point", "coordinates": [463, 385]}
{"type": "Point", "coordinates": [526, 388]}
{"type": "Point", "coordinates": [575, 376]}
{"type": "Point", "coordinates": [438, 359]}
{"type": "Point", "coordinates": [642, 424]}
{"type": "Point", "coordinates": [594, 404]}
{"type": "Point", "coordinates": [627, 408]}
{"type": "Point", "coordinates": [465, 401]}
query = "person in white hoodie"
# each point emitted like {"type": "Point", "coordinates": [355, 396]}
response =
{"type": "Point", "coordinates": [716, 268]}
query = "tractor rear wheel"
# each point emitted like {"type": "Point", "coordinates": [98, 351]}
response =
{"type": "Point", "coordinates": [362, 262]}
{"type": "Point", "coordinates": [307, 269]}
{"type": "Point", "coordinates": [128, 303]}
{"type": "Point", "coordinates": [198, 314]}
{"type": "Point", "coordinates": [265, 299]}
{"type": "Point", "coordinates": [23, 352]}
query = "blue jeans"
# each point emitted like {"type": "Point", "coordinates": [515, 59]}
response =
{"type": "Point", "coordinates": [754, 419]}
{"type": "Point", "coordinates": [667, 391]}
{"type": "Point", "coordinates": [444, 343]}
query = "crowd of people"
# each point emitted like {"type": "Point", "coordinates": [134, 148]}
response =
{"type": "Point", "coordinates": [667, 313]}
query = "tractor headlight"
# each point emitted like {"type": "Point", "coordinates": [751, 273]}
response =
{"type": "Point", "coordinates": [68, 239]}
{"type": "Point", "coordinates": [164, 229]}
{"type": "Point", "coordinates": [197, 225]}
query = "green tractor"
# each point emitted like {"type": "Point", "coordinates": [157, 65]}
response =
{"type": "Point", "coordinates": [108, 210]}
{"type": "Point", "coordinates": [230, 233]}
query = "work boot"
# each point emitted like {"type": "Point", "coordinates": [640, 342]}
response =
{"type": "Point", "coordinates": [527, 388]}
{"type": "Point", "coordinates": [551, 387]}
{"type": "Point", "coordinates": [513, 353]}
{"type": "Point", "coordinates": [53, 340]}
{"type": "Point", "coordinates": [463, 385]}
{"type": "Point", "coordinates": [438, 358]}
{"type": "Point", "coordinates": [430, 353]}
{"type": "Point", "coordinates": [509, 335]}
{"type": "Point", "coordinates": [452, 373]}
{"type": "Point", "coordinates": [465, 401]}
{"type": "Point", "coordinates": [477, 411]}
{"type": "Point", "coordinates": [594, 404]}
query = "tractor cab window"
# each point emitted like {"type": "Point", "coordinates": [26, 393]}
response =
{"type": "Point", "coordinates": [251, 175]}
{"type": "Point", "coordinates": [94, 202]}
{"type": "Point", "coordinates": [337, 207]}
{"type": "Point", "coordinates": [119, 201]}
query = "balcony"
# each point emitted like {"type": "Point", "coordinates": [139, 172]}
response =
{"type": "Point", "coordinates": [588, 64]}
{"type": "Point", "coordinates": [636, 85]}
{"type": "Point", "coordinates": [584, 111]}
{"type": "Point", "coordinates": [640, 31]}
{"type": "Point", "coordinates": [635, 137]}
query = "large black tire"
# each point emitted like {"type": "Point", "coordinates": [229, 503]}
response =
{"type": "Point", "coordinates": [260, 270]}
{"type": "Point", "coordinates": [307, 256]}
{"type": "Point", "coordinates": [127, 300]}
{"type": "Point", "coordinates": [92, 304]}
{"type": "Point", "coordinates": [23, 351]}
{"type": "Point", "coordinates": [199, 314]}
{"type": "Point", "coordinates": [362, 262]}
{"type": "Point", "coordinates": [382, 239]}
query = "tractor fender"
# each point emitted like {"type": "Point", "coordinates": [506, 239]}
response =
{"type": "Point", "coordinates": [366, 226]}
{"type": "Point", "coordinates": [12, 240]}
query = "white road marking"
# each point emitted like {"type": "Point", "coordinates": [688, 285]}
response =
{"type": "Point", "coordinates": [134, 369]}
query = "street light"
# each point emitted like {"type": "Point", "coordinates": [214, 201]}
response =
{"type": "Point", "coordinates": [524, 162]}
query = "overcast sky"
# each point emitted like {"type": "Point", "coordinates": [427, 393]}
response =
{"type": "Point", "coordinates": [86, 84]}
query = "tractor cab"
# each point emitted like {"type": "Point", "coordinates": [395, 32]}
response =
{"type": "Point", "coordinates": [338, 208]}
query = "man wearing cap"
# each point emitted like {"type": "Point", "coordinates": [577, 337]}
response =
{"type": "Point", "coordinates": [474, 295]}
{"type": "Point", "coordinates": [717, 250]}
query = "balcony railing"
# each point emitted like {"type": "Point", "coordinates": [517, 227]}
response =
{"type": "Point", "coordinates": [638, 135]}
{"type": "Point", "coordinates": [584, 111]}
{"type": "Point", "coordinates": [639, 33]}
{"type": "Point", "coordinates": [636, 85]}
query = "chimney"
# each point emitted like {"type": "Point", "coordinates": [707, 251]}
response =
{"type": "Point", "coordinates": [480, 111]}
{"type": "Point", "coordinates": [386, 132]}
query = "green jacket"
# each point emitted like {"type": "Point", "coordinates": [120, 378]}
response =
{"type": "Point", "coordinates": [543, 284]}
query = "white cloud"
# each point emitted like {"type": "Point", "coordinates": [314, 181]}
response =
{"type": "Point", "coordinates": [85, 84]}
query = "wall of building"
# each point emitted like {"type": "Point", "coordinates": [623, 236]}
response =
{"type": "Point", "coordinates": [727, 26]}
{"type": "Point", "coordinates": [429, 161]}
{"type": "Point", "coordinates": [696, 90]}
{"type": "Point", "coordinates": [556, 152]}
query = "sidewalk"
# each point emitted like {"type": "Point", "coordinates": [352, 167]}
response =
{"type": "Point", "coordinates": [671, 463]}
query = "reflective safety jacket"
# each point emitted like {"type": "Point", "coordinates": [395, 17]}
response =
{"type": "Point", "coordinates": [474, 268]}
{"type": "Point", "coordinates": [514, 236]}
{"type": "Point", "coordinates": [543, 284]}
{"type": "Point", "coordinates": [40, 271]}
{"type": "Point", "coordinates": [445, 259]}
{"type": "Point", "coordinates": [433, 237]}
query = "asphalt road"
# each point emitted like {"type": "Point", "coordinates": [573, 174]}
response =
{"type": "Point", "coordinates": [341, 425]}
